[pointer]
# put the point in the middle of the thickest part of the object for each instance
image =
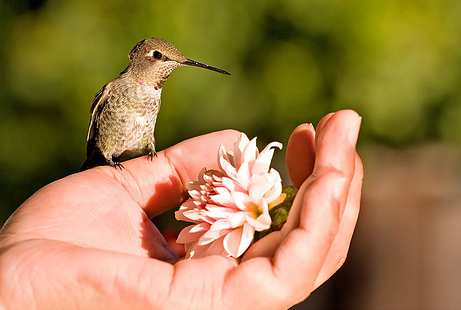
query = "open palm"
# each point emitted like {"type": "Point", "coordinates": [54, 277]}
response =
{"type": "Point", "coordinates": [86, 241]}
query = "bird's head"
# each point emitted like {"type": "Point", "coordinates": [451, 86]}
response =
{"type": "Point", "coordinates": [152, 61]}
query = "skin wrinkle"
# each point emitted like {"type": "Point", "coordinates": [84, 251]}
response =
{"type": "Point", "coordinates": [28, 275]}
{"type": "Point", "coordinates": [172, 281]}
{"type": "Point", "coordinates": [336, 174]}
{"type": "Point", "coordinates": [117, 176]}
{"type": "Point", "coordinates": [217, 290]}
{"type": "Point", "coordinates": [93, 282]}
{"type": "Point", "coordinates": [176, 275]}
{"type": "Point", "coordinates": [228, 272]}
{"type": "Point", "coordinates": [337, 199]}
{"type": "Point", "coordinates": [151, 283]}
{"type": "Point", "coordinates": [145, 290]}
{"type": "Point", "coordinates": [120, 179]}
{"type": "Point", "coordinates": [296, 234]}
{"type": "Point", "coordinates": [341, 254]}
{"type": "Point", "coordinates": [173, 167]}
{"type": "Point", "coordinates": [197, 293]}
{"type": "Point", "coordinates": [119, 286]}
{"type": "Point", "coordinates": [138, 195]}
{"type": "Point", "coordinates": [293, 221]}
{"type": "Point", "coordinates": [332, 231]}
{"type": "Point", "coordinates": [281, 291]}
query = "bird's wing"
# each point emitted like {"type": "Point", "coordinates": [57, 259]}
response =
{"type": "Point", "coordinates": [94, 157]}
{"type": "Point", "coordinates": [99, 101]}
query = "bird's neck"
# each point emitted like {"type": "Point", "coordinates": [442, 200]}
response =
{"type": "Point", "coordinates": [152, 92]}
{"type": "Point", "coordinates": [146, 77]}
{"type": "Point", "coordinates": [140, 87]}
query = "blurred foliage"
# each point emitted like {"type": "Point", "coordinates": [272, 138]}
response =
{"type": "Point", "coordinates": [396, 62]}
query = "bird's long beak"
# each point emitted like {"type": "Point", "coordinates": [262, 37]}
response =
{"type": "Point", "coordinates": [193, 63]}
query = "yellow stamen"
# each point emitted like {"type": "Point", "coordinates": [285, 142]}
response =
{"type": "Point", "coordinates": [280, 199]}
{"type": "Point", "coordinates": [254, 210]}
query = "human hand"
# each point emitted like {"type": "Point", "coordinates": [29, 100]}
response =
{"type": "Point", "coordinates": [86, 241]}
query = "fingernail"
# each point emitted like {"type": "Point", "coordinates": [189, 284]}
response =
{"type": "Point", "coordinates": [324, 120]}
{"type": "Point", "coordinates": [353, 130]}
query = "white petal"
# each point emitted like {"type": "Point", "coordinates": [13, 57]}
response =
{"type": "Point", "coordinates": [198, 203]}
{"type": "Point", "coordinates": [274, 192]}
{"type": "Point", "coordinates": [215, 231]}
{"type": "Point", "coordinates": [214, 248]}
{"type": "Point", "coordinates": [187, 207]}
{"type": "Point", "coordinates": [211, 236]}
{"type": "Point", "coordinates": [221, 190]}
{"type": "Point", "coordinates": [208, 178]}
{"type": "Point", "coordinates": [237, 219]}
{"type": "Point", "coordinates": [243, 174]}
{"type": "Point", "coordinates": [193, 250]}
{"type": "Point", "coordinates": [190, 249]}
{"type": "Point", "coordinates": [262, 163]}
{"type": "Point", "coordinates": [237, 241]}
{"type": "Point", "coordinates": [219, 212]}
{"type": "Point", "coordinates": [223, 196]}
{"type": "Point", "coordinates": [276, 189]}
{"type": "Point", "coordinates": [240, 200]}
{"type": "Point", "coordinates": [228, 156]}
{"type": "Point", "coordinates": [222, 201]}
{"type": "Point", "coordinates": [194, 194]}
{"type": "Point", "coordinates": [220, 225]}
{"type": "Point", "coordinates": [201, 227]}
{"type": "Point", "coordinates": [259, 185]}
{"type": "Point", "coordinates": [231, 185]}
{"type": "Point", "coordinates": [263, 221]}
{"type": "Point", "coordinates": [227, 167]}
{"type": "Point", "coordinates": [192, 215]}
{"type": "Point", "coordinates": [250, 152]}
{"type": "Point", "coordinates": [239, 147]}
{"type": "Point", "coordinates": [192, 233]}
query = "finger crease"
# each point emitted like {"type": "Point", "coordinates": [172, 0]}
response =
{"type": "Point", "coordinates": [173, 168]}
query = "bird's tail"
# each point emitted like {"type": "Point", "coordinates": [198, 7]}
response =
{"type": "Point", "coordinates": [95, 158]}
{"type": "Point", "coordinates": [87, 165]}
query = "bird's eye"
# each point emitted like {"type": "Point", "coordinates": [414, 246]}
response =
{"type": "Point", "coordinates": [157, 55]}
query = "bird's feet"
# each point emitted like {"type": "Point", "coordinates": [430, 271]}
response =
{"type": "Point", "coordinates": [116, 164]}
{"type": "Point", "coordinates": [151, 155]}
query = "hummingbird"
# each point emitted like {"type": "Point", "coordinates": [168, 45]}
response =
{"type": "Point", "coordinates": [125, 110]}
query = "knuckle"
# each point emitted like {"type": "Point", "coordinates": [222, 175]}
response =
{"type": "Point", "coordinates": [290, 295]}
{"type": "Point", "coordinates": [329, 172]}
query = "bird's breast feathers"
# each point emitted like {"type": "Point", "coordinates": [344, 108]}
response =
{"type": "Point", "coordinates": [144, 93]}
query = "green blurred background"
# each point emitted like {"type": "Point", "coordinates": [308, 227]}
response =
{"type": "Point", "coordinates": [398, 63]}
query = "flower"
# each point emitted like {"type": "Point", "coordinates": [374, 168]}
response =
{"type": "Point", "coordinates": [228, 205]}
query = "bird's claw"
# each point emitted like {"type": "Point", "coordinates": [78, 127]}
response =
{"type": "Point", "coordinates": [118, 166]}
{"type": "Point", "coordinates": [151, 155]}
